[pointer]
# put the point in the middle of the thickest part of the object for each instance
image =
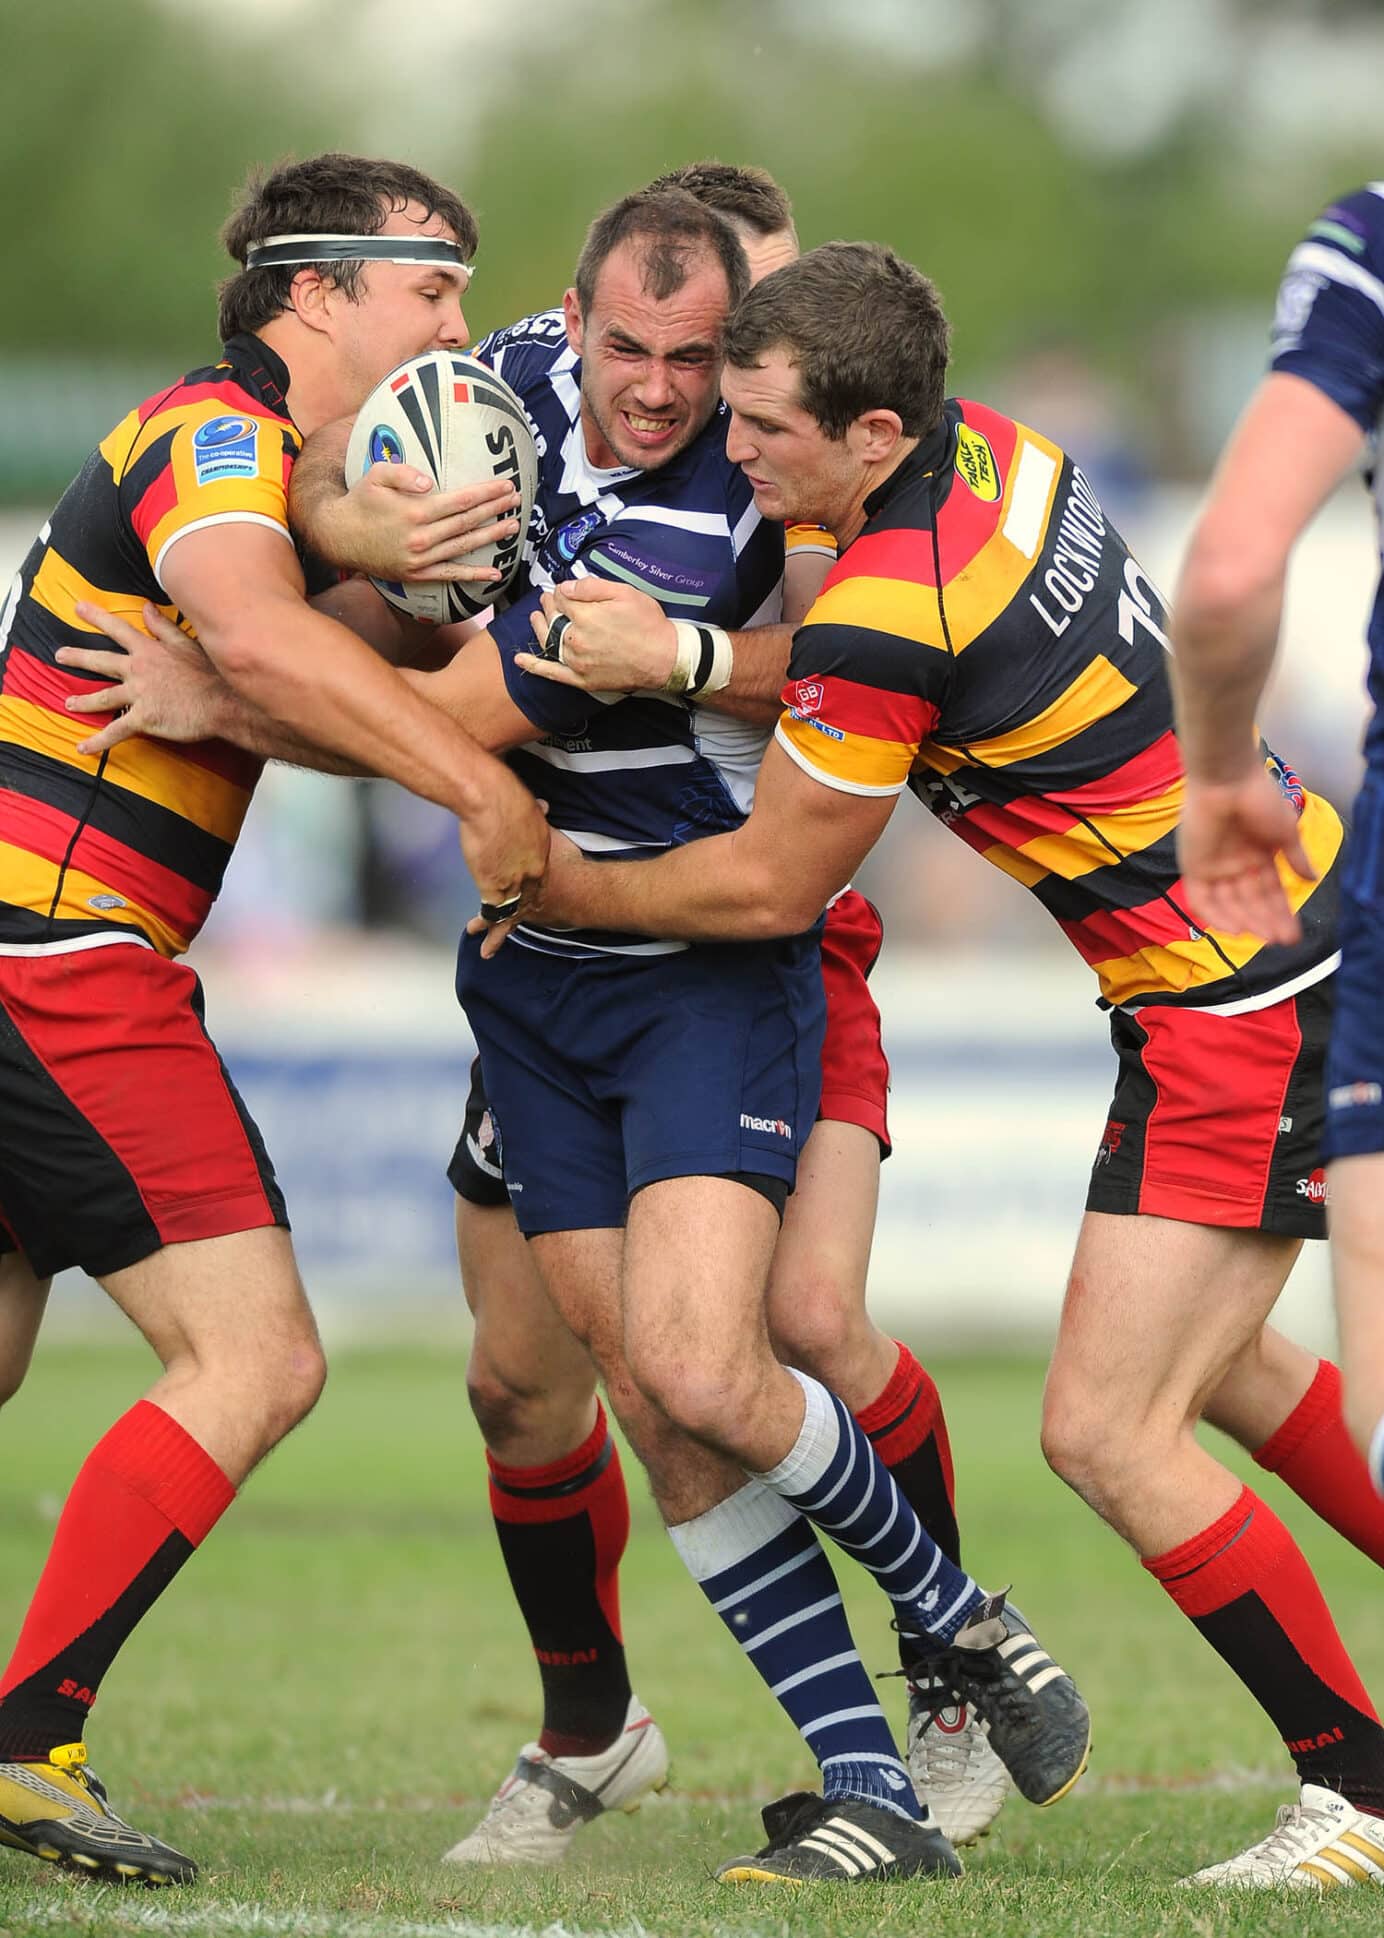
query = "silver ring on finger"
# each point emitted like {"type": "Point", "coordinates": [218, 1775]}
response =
{"type": "Point", "coordinates": [553, 638]}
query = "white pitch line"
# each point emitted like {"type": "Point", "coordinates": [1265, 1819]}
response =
{"type": "Point", "coordinates": [256, 1921]}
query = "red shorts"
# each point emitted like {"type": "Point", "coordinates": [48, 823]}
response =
{"type": "Point", "coordinates": [1218, 1120]}
{"type": "Point", "coordinates": [121, 1131]}
{"type": "Point", "coordinates": [855, 1071]}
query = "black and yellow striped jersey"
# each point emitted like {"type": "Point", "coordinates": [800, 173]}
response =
{"type": "Point", "coordinates": [989, 641]}
{"type": "Point", "coordinates": [133, 842]}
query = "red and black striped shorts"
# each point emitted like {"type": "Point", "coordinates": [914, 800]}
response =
{"type": "Point", "coordinates": [121, 1131]}
{"type": "Point", "coordinates": [1218, 1120]}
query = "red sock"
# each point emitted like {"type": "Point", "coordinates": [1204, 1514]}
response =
{"type": "Point", "coordinates": [1314, 1455]}
{"type": "Point", "coordinates": [563, 1529]}
{"type": "Point", "coordinates": [1245, 1584]}
{"type": "Point", "coordinates": [146, 1496]}
{"type": "Point", "coordinates": [906, 1428]}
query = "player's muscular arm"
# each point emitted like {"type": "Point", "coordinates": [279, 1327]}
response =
{"type": "Point", "coordinates": [393, 523]}
{"type": "Point", "coordinates": [771, 877]}
{"type": "Point", "coordinates": [619, 640]}
{"type": "Point", "coordinates": [1290, 450]}
{"type": "Point", "coordinates": [163, 684]}
{"type": "Point", "coordinates": [166, 686]}
{"type": "Point", "coordinates": [242, 591]}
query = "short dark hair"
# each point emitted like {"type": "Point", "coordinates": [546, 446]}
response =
{"type": "Point", "coordinates": [673, 229]}
{"type": "Point", "coordinates": [325, 195]}
{"type": "Point", "coordinates": [864, 327]}
{"type": "Point", "coordinates": [748, 195]}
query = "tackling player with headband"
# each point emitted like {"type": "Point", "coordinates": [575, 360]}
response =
{"type": "Point", "coordinates": [123, 1147]}
{"type": "Point", "coordinates": [988, 641]}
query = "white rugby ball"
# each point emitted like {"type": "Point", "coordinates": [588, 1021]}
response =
{"type": "Point", "coordinates": [451, 416]}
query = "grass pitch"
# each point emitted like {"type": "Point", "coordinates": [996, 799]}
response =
{"type": "Point", "coordinates": [329, 1693]}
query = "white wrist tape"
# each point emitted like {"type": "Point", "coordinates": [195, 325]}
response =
{"type": "Point", "coordinates": [704, 662]}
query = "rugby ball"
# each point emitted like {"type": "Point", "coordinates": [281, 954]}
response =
{"type": "Point", "coordinates": [451, 416]}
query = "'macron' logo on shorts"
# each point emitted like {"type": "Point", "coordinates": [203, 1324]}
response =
{"type": "Point", "coordinates": [1313, 1188]}
{"type": "Point", "coordinates": [808, 695]}
{"type": "Point", "coordinates": [775, 1125]}
{"type": "Point", "coordinates": [1354, 1096]}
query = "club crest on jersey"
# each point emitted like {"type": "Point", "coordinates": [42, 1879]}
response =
{"type": "Point", "coordinates": [225, 447]}
{"type": "Point", "coordinates": [976, 463]}
{"type": "Point", "coordinates": [569, 539]}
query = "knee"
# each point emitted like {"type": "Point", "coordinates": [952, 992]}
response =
{"type": "Point", "coordinates": [1087, 1442]}
{"type": "Point", "coordinates": [300, 1376]}
{"type": "Point", "coordinates": [512, 1411]}
{"type": "Point", "coordinates": [709, 1397]}
{"type": "Point", "coordinates": [821, 1328]}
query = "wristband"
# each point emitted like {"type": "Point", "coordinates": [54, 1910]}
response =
{"type": "Point", "coordinates": [705, 660]}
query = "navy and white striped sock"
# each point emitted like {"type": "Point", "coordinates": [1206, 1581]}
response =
{"type": "Point", "coordinates": [762, 1568]}
{"type": "Point", "coordinates": [833, 1475]}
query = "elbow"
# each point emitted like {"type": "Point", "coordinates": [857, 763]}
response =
{"type": "Point", "coordinates": [242, 657]}
{"type": "Point", "coordinates": [771, 907]}
{"type": "Point", "coordinates": [1224, 577]}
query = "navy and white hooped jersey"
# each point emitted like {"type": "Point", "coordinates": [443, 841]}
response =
{"type": "Point", "coordinates": [630, 775]}
{"type": "Point", "coordinates": [1329, 329]}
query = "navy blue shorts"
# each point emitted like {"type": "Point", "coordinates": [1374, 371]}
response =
{"type": "Point", "coordinates": [607, 1073]}
{"type": "Point", "coordinates": [1355, 1059]}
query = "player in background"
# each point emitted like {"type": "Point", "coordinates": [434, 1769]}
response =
{"type": "Point", "coordinates": [123, 1147]}
{"type": "Point", "coordinates": [1313, 420]}
{"type": "Point", "coordinates": [645, 314]}
{"type": "Point", "coordinates": [988, 641]}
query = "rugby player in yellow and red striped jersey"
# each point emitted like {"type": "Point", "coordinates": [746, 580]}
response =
{"type": "Point", "coordinates": [124, 1149]}
{"type": "Point", "coordinates": [988, 640]}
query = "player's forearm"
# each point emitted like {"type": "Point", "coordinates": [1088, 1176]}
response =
{"type": "Point", "coordinates": [246, 725]}
{"type": "Point", "coordinates": [758, 671]}
{"type": "Point", "coordinates": [1225, 633]}
{"type": "Point", "coordinates": [714, 890]}
{"type": "Point", "coordinates": [330, 692]}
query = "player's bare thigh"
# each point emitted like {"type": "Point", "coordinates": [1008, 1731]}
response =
{"type": "Point", "coordinates": [230, 1321]}
{"type": "Point", "coordinates": [817, 1315]}
{"type": "Point", "coordinates": [530, 1380]}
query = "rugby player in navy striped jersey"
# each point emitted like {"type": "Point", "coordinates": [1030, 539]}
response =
{"type": "Point", "coordinates": [987, 640]}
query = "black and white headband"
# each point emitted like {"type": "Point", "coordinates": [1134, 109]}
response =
{"type": "Point", "coordinates": [304, 251]}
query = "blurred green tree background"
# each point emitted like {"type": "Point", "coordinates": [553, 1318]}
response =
{"type": "Point", "coordinates": [1121, 176]}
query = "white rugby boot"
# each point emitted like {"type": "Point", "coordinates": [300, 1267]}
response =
{"type": "Point", "coordinates": [1315, 1845]}
{"type": "Point", "coordinates": [538, 1810]}
{"type": "Point", "coordinates": [954, 1769]}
